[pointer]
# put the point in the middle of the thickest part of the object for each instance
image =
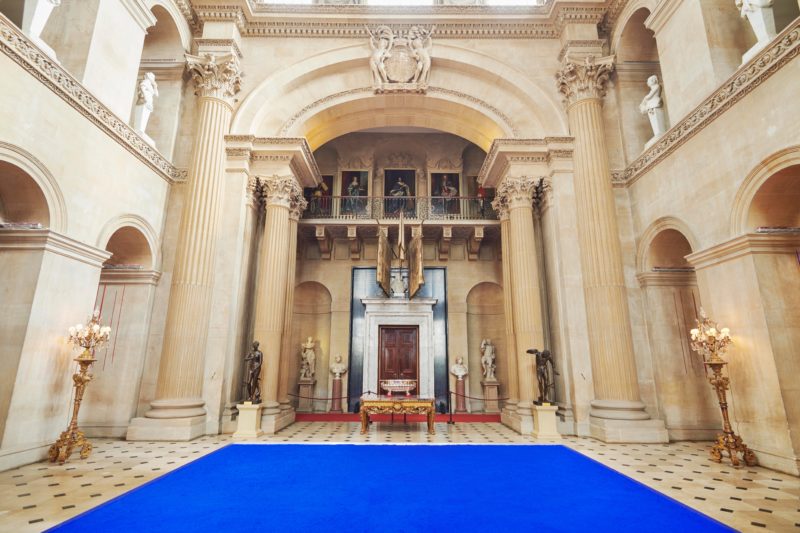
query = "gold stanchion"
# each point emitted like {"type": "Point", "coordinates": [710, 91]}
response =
{"type": "Point", "coordinates": [711, 343]}
{"type": "Point", "coordinates": [88, 338]}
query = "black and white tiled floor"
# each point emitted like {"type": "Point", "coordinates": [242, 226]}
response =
{"type": "Point", "coordinates": [38, 496]}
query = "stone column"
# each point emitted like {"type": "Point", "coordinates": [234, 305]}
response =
{"type": "Point", "coordinates": [508, 309]}
{"type": "Point", "coordinates": [516, 193]}
{"type": "Point", "coordinates": [282, 195]}
{"type": "Point", "coordinates": [177, 412]}
{"type": "Point", "coordinates": [616, 385]}
{"type": "Point", "coordinates": [286, 348]}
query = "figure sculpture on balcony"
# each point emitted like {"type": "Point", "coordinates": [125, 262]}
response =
{"type": "Point", "coordinates": [145, 98]}
{"type": "Point", "coordinates": [653, 106]}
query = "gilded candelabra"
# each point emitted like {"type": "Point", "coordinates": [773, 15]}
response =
{"type": "Point", "coordinates": [86, 338]}
{"type": "Point", "coordinates": [712, 343]}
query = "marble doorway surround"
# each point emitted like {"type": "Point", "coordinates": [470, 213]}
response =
{"type": "Point", "coordinates": [399, 312]}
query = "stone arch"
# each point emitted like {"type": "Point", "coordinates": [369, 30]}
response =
{"type": "Point", "coordinates": [24, 161]}
{"type": "Point", "coordinates": [339, 79]}
{"type": "Point", "coordinates": [631, 9]}
{"type": "Point", "coordinates": [131, 233]}
{"type": "Point", "coordinates": [770, 167]}
{"type": "Point", "coordinates": [486, 319]}
{"type": "Point", "coordinates": [177, 18]}
{"type": "Point", "coordinates": [651, 236]}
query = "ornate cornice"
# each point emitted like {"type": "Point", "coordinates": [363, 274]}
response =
{"type": "Point", "coordinates": [38, 64]}
{"type": "Point", "coordinates": [783, 49]}
{"type": "Point", "coordinates": [581, 80]}
{"type": "Point", "coordinates": [215, 76]}
{"type": "Point", "coordinates": [220, 43]}
{"type": "Point", "coordinates": [185, 7]}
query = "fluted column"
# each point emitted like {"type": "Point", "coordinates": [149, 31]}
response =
{"type": "Point", "coordinates": [508, 307]}
{"type": "Point", "coordinates": [286, 348]}
{"type": "Point", "coordinates": [616, 386]}
{"type": "Point", "coordinates": [280, 193]}
{"type": "Point", "coordinates": [517, 194]}
{"type": "Point", "coordinates": [180, 376]}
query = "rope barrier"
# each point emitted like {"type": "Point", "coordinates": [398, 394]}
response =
{"type": "Point", "coordinates": [328, 398]}
{"type": "Point", "coordinates": [474, 398]}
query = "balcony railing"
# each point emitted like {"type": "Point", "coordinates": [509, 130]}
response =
{"type": "Point", "coordinates": [390, 207]}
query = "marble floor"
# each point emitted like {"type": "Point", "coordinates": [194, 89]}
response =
{"type": "Point", "coordinates": [38, 496]}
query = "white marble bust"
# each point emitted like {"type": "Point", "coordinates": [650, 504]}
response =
{"type": "Point", "coordinates": [338, 369]}
{"type": "Point", "coordinates": [458, 369]}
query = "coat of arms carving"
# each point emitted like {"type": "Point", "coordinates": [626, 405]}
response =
{"type": "Point", "coordinates": [400, 61]}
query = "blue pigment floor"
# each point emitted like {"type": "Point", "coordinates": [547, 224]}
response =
{"type": "Point", "coordinates": [306, 487]}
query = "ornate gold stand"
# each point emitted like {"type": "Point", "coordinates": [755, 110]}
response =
{"type": "Point", "coordinates": [73, 437]}
{"type": "Point", "coordinates": [728, 441]}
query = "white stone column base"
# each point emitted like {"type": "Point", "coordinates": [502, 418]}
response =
{"type": "Point", "coordinates": [519, 422]}
{"type": "Point", "coordinates": [249, 422]}
{"type": "Point", "coordinates": [169, 429]}
{"type": "Point", "coordinates": [273, 422]}
{"type": "Point", "coordinates": [641, 431]}
{"type": "Point", "coordinates": [544, 422]}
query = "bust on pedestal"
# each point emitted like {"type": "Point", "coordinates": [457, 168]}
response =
{"type": "Point", "coordinates": [337, 369]}
{"type": "Point", "coordinates": [460, 372]}
{"type": "Point", "coordinates": [307, 369]}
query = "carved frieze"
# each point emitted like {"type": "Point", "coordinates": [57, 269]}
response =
{"type": "Point", "coordinates": [215, 76]}
{"type": "Point", "coordinates": [580, 80]}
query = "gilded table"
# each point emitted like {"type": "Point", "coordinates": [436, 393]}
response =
{"type": "Point", "coordinates": [397, 405]}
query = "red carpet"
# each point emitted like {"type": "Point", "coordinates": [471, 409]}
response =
{"type": "Point", "coordinates": [354, 417]}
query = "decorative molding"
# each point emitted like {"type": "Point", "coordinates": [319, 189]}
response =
{"type": "Point", "coordinates": [369, 91]}
{"type": "Point", "coordinates": [667, 279]}
{"type": "Point", "coordinates": [782, 49]}
{"type": "Point", "coordinates": [583, 80]}
{"type": "Point", "coordinates": [516, 191]}
{"type": "Point", "coordinates": [50, 241]}
{"type": "Point", "coordinates": [215, 76]}
{"type": "Point", "coordinates": [748, 244]}
{"type": "Point", "coordinates": [22, 51]}
{"type": "Point", "coordinates": [185, 7]}
{"type": "Point", "coordinates": [572, 44]}
{"type": "Point", "coordinates": [129, 276]}
{"type": "Point", "coordinates": [140, 13]}
{"type": "Point", "coordinates": [220, 43]}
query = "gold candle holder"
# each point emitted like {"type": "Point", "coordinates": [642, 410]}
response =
{"type": "Point", "coordinates": [711, 343]}
{"type": "Point", "coordinates": [87, 338]}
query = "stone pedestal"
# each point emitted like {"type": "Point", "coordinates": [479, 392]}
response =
{"type": "Point", "coordinates": [490, 395]}
{"type": "Point", "coordinates": [336, 403]}
{"type": "Point", "coordinates": [544, 422]}
{"type": "Point", "coordinates": [249, 422]}
{"type": "Point", "coordinates": [306, 391]}
{"type": "Point", "coordinates": [461, 400]}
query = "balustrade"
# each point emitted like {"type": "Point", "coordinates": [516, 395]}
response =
{"type": "Point", "coordinates": [390, 207]}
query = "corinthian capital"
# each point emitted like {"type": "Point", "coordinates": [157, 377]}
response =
{"type": "Point", "coordinates": [582, 80]}
{"type": "Point", "coordinates": [516, 191]}
{"type": "Point", "coordinates": [216, 76]}
{"type": "Point", "coordinates": [297, 204]}
{"type": "Point", "coordinates": [279, 190]}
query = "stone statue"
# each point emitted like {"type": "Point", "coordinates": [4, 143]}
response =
{"type": "Point", "coordinates": [252, 374]}
{"type": "Point", "coordinates": [487, 360]}
{"type": "Point", "coordinates": [458, 369]}
{"type": "Point", "coordinates": [653, 106]}
{"type": "Point", "coordinates": [399, 286]}
{"type": "Point", "coordinates": [381, 43]}
{"type": "Point", "coordinates": [760, 16]}
{"type": "Point", "coordinates": [544, 375]}
{"type": "Point", "coordinates": [421, 46]}
{"type": "Point", "coordinates": [308, 359]}
{"type": "Point", "coordinates": [145, 96]}
{"type": "Point", "coordinates": [338, 369]}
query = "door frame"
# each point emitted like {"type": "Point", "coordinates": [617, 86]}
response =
{"type": "Point", "coordinates": [381, 327]}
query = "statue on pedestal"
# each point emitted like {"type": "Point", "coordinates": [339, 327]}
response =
{"type": "Point", "coordinates": [252, 374]}
{"type": "Point", "coordinates": [458, 369]}
{"type": "Point", "coordinates": [487, 360]}
{"type": "Point", "coordinates": [653, 106]}
{"type": "Point", "coordinates": [308, 360]}
{"type": "Point", "coordinates": [337, 368]}
{"type": "Point", "coordinates": [760, 16]}
{"type": "Point", "coordinates": [545, 375]}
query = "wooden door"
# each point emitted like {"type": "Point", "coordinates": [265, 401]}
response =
{"type": "Point", "coordinates": [398, 353]}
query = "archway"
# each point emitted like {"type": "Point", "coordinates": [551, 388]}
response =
{"type": "Point", "coordinates": [312, 318]}
{"type": "Point", "coordinates": [485, 320]}
{"type": "Point", "coordinates": [24, 213]}
{"type": "Point", "coordinates": [125, 296]}
{"type": "Point", "coordinates": [671, 303]}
